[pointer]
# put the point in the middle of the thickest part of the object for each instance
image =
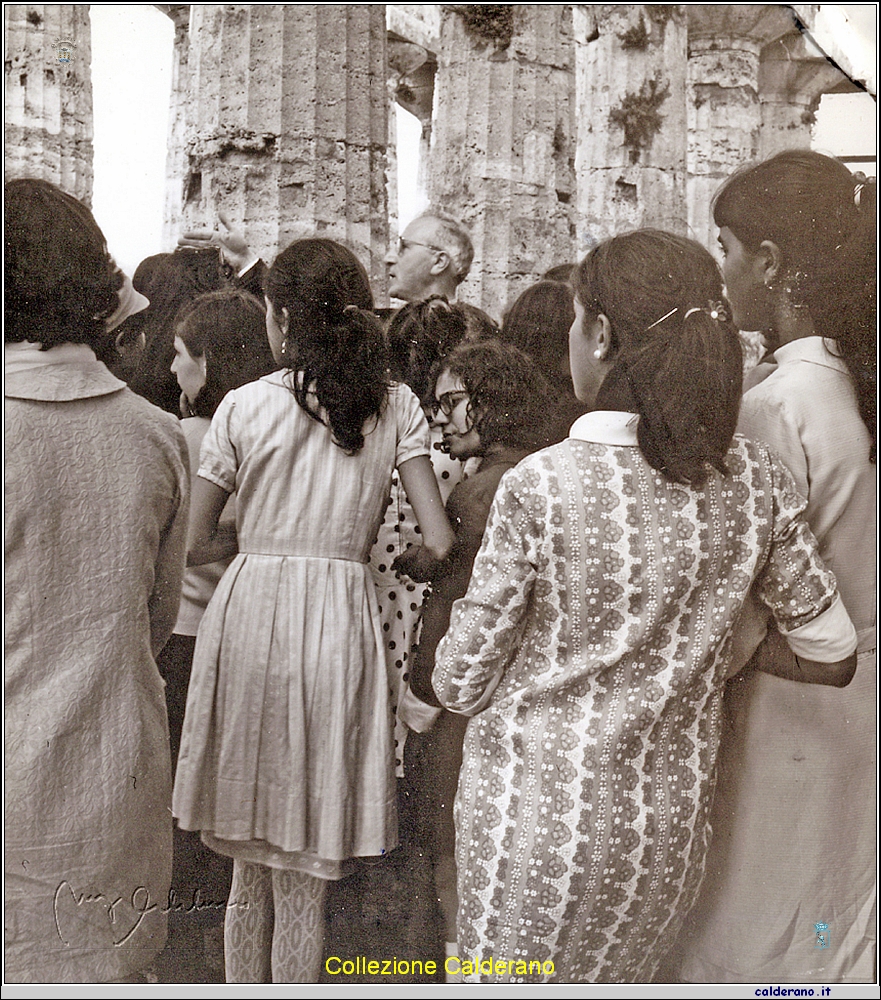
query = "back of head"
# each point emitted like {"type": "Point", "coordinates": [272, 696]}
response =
{"type": "Point", "coordinates": [538, 323]}
{"type": "Point", "coordinates": [822, 220]}
{"type": "Point", "coordinates": [174, 281]}
{"type": "Point", "coordinates": [60, 280]}
{"type": "Point", "coordinates": [420, 335]}
{"type": "Point", "coordinates": [508, 395]}
{"type": "Point", "coordinates": [228, 329]}
{"type": "Point", "coordinates": [336, 345]}
{"type": "Point", "coordinates": [479, 325]}
{"type": "Point", "coordinates": [675, 358]}
{"type": "Point", "coordinates": [453, 237]}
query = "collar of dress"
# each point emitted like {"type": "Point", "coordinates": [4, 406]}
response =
{"type": "Point", "coordinates": [607, 427]}
{"type": "Point", "coordinates": [63, 373]}
{"type": "Point", "coordinates": [815, 350]}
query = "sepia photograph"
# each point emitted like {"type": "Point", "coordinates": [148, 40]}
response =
{"type": "Point", "coordinates": [440, 496]}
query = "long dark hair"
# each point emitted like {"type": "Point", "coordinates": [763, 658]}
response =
{"type": "Point", "coordinates": [335, 346]}
{"type": "Point", "coordinates": [676, 357]}
{"type": "Point", "coordinates": [420, 335]}
{"type": "Point", "coordinates": [822, 219]}
{"type": "Point", "coordinates": [507, 394]}
{"type": "Point", "coordinates": [61, 283]}
{"type": "Point", "coordinates": [228, 329]}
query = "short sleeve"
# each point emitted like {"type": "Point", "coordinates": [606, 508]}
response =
{"type": "Point", "coordinates": [411, 425]}
{"type": "Point", "coordinates": [794, 584]}
{"type": "Point", "coordinates": [218, 460]}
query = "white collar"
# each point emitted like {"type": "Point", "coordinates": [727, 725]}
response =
{"type": "Point", "coordinates": [607, 427]}
{"type": "Point", "coordinates": [816, 350]}
{"type": "Point", "coordinates": [65, 372]}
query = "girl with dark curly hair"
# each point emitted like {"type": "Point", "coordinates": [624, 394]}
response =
{"type": "Point", "coordinates": [286, 760]}
{"type": "Point", "coordinates": [490, 404]}
{"type": "Point", "coordinates": [419, 336]}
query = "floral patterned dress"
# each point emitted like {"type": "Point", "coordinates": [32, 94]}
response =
{"type": "Point", "coordinates": [592, 647]}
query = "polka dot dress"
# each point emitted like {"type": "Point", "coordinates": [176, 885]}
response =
{"type": "Point", "coordinates": [401, 600]}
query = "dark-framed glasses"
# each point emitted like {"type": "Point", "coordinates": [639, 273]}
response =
{"type": "Point", "coordinates": [448, 402]}
{"type": "Point", "coordinates": [404, 244]}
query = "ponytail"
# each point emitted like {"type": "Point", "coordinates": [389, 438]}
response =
{"type": "Point", "coordinates": [676, 357]}
{"type": "Point", "coordinates": [341, 378]}
{"type": "Point", "coordinates": [337, 354]}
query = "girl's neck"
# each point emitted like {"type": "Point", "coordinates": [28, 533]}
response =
{"type": "Point", "coordinates": [502, 453]}
{"type": "Point", "coordinates": [791, 323]}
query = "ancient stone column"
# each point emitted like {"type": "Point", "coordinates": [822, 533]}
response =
{"type": "Point", "coordinates": [49, 95]}
{"type": "Point", "coordinates": [793, 75]}
{"type": "Point", "coordinates": [630, 164]}
{"type": "Point", "coordinates": [725, 42]}
{"type": "Point", "coordinates": [502, 149]}
{"type": "Point", "coordinates": [176, 163]}
{"type": "Point", "coordinates": [287, 125]}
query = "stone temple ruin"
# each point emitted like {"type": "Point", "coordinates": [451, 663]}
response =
{"type": "Point", "coordinates": [544, 127]}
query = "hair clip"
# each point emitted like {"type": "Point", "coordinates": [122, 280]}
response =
{"type": "Point", "coordinates": [715, 310]}
{"type": "Point", "coordinates": [857, 192]}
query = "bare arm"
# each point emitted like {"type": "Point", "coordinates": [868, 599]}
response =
{"type": "Point", "coordinates": [208, 540]}
{"type": "Point", "coordinates": [420, 485]}
{"type": "Point", "coordinates": [776, 657]}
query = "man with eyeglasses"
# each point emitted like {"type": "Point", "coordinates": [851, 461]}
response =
{"type": "Point", "coordinates": [433, 257]}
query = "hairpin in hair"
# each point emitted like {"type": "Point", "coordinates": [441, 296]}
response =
{"type": "Point", "coordinates": [658, 322]}
{"type": "Point", "coordinates": [857, 192]}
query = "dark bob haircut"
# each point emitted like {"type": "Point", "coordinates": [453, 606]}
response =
{"type": "Point", "coordinates": [61, 283]}
{"type": "Point", "coordinates": [228, 329]}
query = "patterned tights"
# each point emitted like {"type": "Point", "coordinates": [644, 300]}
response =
{"type": "Point", "coordinates": [274, 928]}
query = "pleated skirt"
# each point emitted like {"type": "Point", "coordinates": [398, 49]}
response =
{"type": "Point", "coordinates": [287, 746]}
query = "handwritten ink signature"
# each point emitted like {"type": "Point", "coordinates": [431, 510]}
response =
{"type": "Point", "coordinates": [141, 908]}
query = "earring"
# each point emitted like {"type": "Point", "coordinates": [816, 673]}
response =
{"type": "Point", "coordinates": [598, 354]}
{"type": "Point", "coordinates": [284, 346]}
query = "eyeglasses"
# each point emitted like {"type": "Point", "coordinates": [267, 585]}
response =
{"type": "Point", "coordinates": [404, 244]}
{"type": "Point", "coordinates": [448, 402]}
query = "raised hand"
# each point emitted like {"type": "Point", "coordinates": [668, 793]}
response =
{"type": "Point", "coordinates": [231, 242]}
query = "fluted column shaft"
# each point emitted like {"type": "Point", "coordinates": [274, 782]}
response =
{"type": "Point", "coordinates": [287, 125]}
{"type": "Point", "coordinates": [49, 126]}
{"type": "Point", "coordinates": [724, 109]}
{"type": "Point", "coordinates": [502, 146]}
{"type": "Point", "coordinates": [631, 163]}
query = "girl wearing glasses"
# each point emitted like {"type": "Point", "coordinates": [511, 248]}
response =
{"type": "Point", "coordinates": [419, 336]}
{"type": "Point", "coordinates": [490, 404]}
{"type": "Point", "coordinates": [598, 630]}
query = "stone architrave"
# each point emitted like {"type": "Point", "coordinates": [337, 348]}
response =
{"type": "Point", "coordinates": [287, 125]}
{"type": "Point", "coordinates": [502, 146]}
{"type": "Point", "coordinates": [48, 127]}
{"type": "Point", "coordinates": [793, 75]}
{"type": "Point", "coordinates": [725, 42]}
{"type": "Point", "coordinates": [630, 164]}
